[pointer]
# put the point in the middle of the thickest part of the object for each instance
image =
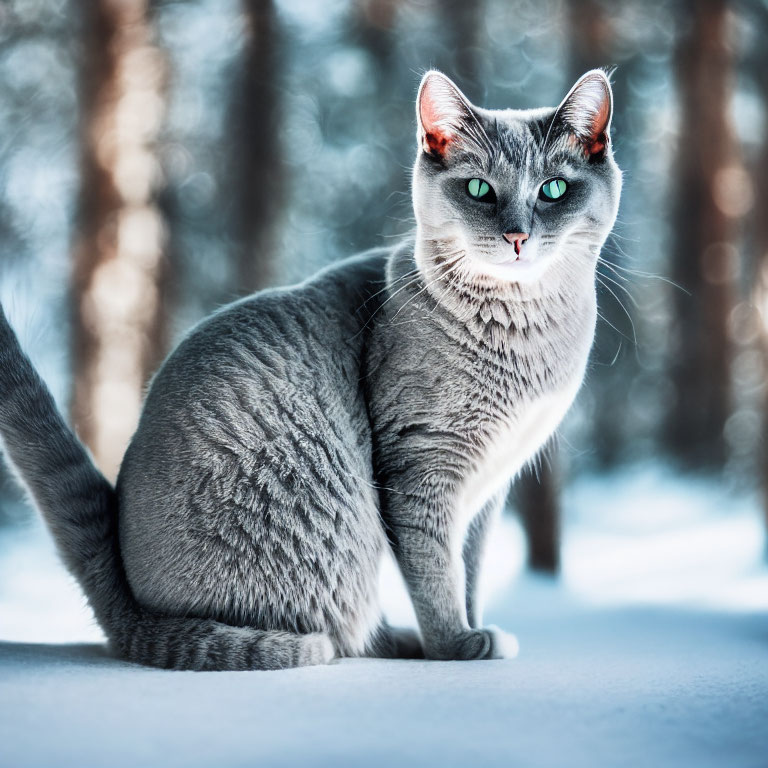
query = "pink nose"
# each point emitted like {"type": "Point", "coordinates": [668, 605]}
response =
{"type": "Point", "coordinates": [517, 239]}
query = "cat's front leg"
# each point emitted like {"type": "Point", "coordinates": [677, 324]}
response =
{"type": "Point", "coordinates": [472, 553]}
{"type": "Point", "coordinates": [431, 563]}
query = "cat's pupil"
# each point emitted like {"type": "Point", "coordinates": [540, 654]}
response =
{"type": "Point", "coordinates": [479, 189]}
{"type": "Point", "coordinates": [553, 189]}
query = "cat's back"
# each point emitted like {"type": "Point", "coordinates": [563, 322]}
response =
{"type": "Point", "coordinates": [321, 321]}
{"type": "Point", "coordinates": [271, 335]}
{"type": "Point", "coordinates": [258, 407]}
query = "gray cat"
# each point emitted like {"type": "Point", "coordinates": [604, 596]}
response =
{"type": "Point", "coordinates": [388, 401]}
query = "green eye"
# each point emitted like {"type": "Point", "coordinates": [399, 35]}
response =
{"type": "Point", "coordinates": [481, 190]}
{"type": "Point", "coordinates": [553, 189]}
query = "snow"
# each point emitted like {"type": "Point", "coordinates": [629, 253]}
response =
{"type": "Point", "coordinates": [652, 650]}
{"type": "Point", "coordinates": [609, 687]}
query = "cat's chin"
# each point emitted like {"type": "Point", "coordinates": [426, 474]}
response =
{"type": "Point", "coordinates": [514, 270]}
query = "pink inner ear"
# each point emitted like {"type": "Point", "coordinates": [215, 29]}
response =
{"type": "Point", "coordinates": [435, 123]}
{"type": "Point", "coordinates": [598, 137]}
{"type": "Point", "coordinates": [586, 112]}
{"type": "Point", "coordinates": [429, 113]}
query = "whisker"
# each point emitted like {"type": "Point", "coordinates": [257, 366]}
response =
{"type": "Point", "coordinates": [626, 312]}
{"type": "Point", "coordinates": [623, 288]}
{"type": "Point", "coordinates": [409, 284]}
{"type": "Point", "coordinates": [611, 267]}
{"type": "Point", "coordinates": [445, 274]}
{"type": "Point", "coordinates": [410, 273]}
{"type": "Point", "coordinates": [608, 322]}
{"type": "Point", "coordinates": [646, 275]}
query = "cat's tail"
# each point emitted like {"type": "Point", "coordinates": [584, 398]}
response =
{"type": "Point", "coordinates": [80, 508]}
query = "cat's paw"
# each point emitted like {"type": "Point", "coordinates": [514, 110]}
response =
{"type": "Point", "coordinates": [315, 649]}
{"type": "Point", "coordinates": [504, 645]}
{"type": "Point", "coordinates": [475, 644]}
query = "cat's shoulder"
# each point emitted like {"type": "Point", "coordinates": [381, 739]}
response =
{"type": "Point", "coordinates": [353, 276]}
{"type": "Point", "coordinates": [337, 295]}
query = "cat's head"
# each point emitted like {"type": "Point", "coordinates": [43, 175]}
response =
{"type": "Point", "coordinates": [513, 197]}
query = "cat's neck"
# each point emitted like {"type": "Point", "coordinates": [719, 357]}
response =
{"type": "Point", "coordinates": [494, 311]}
{"type": "Point", "coordinates": [545, 336]}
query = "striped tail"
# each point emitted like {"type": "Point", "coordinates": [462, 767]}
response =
{"type": "Point", "coordinates": [80, 507]}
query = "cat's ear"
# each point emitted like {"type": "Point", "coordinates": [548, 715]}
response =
{"type": "Point", "coordinates": [585, 113]}
{"type": "Point", "coordinates": [444, 115]}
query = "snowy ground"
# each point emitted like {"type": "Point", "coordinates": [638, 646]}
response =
{"type": "Point", "coordinates": [651, 651]}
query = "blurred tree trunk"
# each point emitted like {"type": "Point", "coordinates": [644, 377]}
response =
{"type": "Point", "coordinates": [762, 294]}
{"type": "Point", "coordinates": [372, 27]}
{"type": "Point", "coordinates": [760, 183]}
{"type": "Point", "coordinates": [592, 45]}
{"type": "Point", "coordinates": [538, 499]}
{"type": "Point", "coordinates": [257, 162]}
{"type": "Point", "coordinates": [704, 259]}
{"type": "Point", "coordinates": [461, 56]}
{"type": "Point", "coordinates": [118, 327]}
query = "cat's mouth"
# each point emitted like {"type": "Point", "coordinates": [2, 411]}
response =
{"type": "Point", "coordinates": [526, 267]}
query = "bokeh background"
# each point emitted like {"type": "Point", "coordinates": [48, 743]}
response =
{"type": "Point", "coordinates": [159, 159]}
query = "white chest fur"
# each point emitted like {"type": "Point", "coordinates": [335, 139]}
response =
{"type": "Point", "coordinates": [516, 442]}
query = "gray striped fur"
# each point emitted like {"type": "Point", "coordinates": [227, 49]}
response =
{"type": "Point", "coordinates": [296, 435]}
